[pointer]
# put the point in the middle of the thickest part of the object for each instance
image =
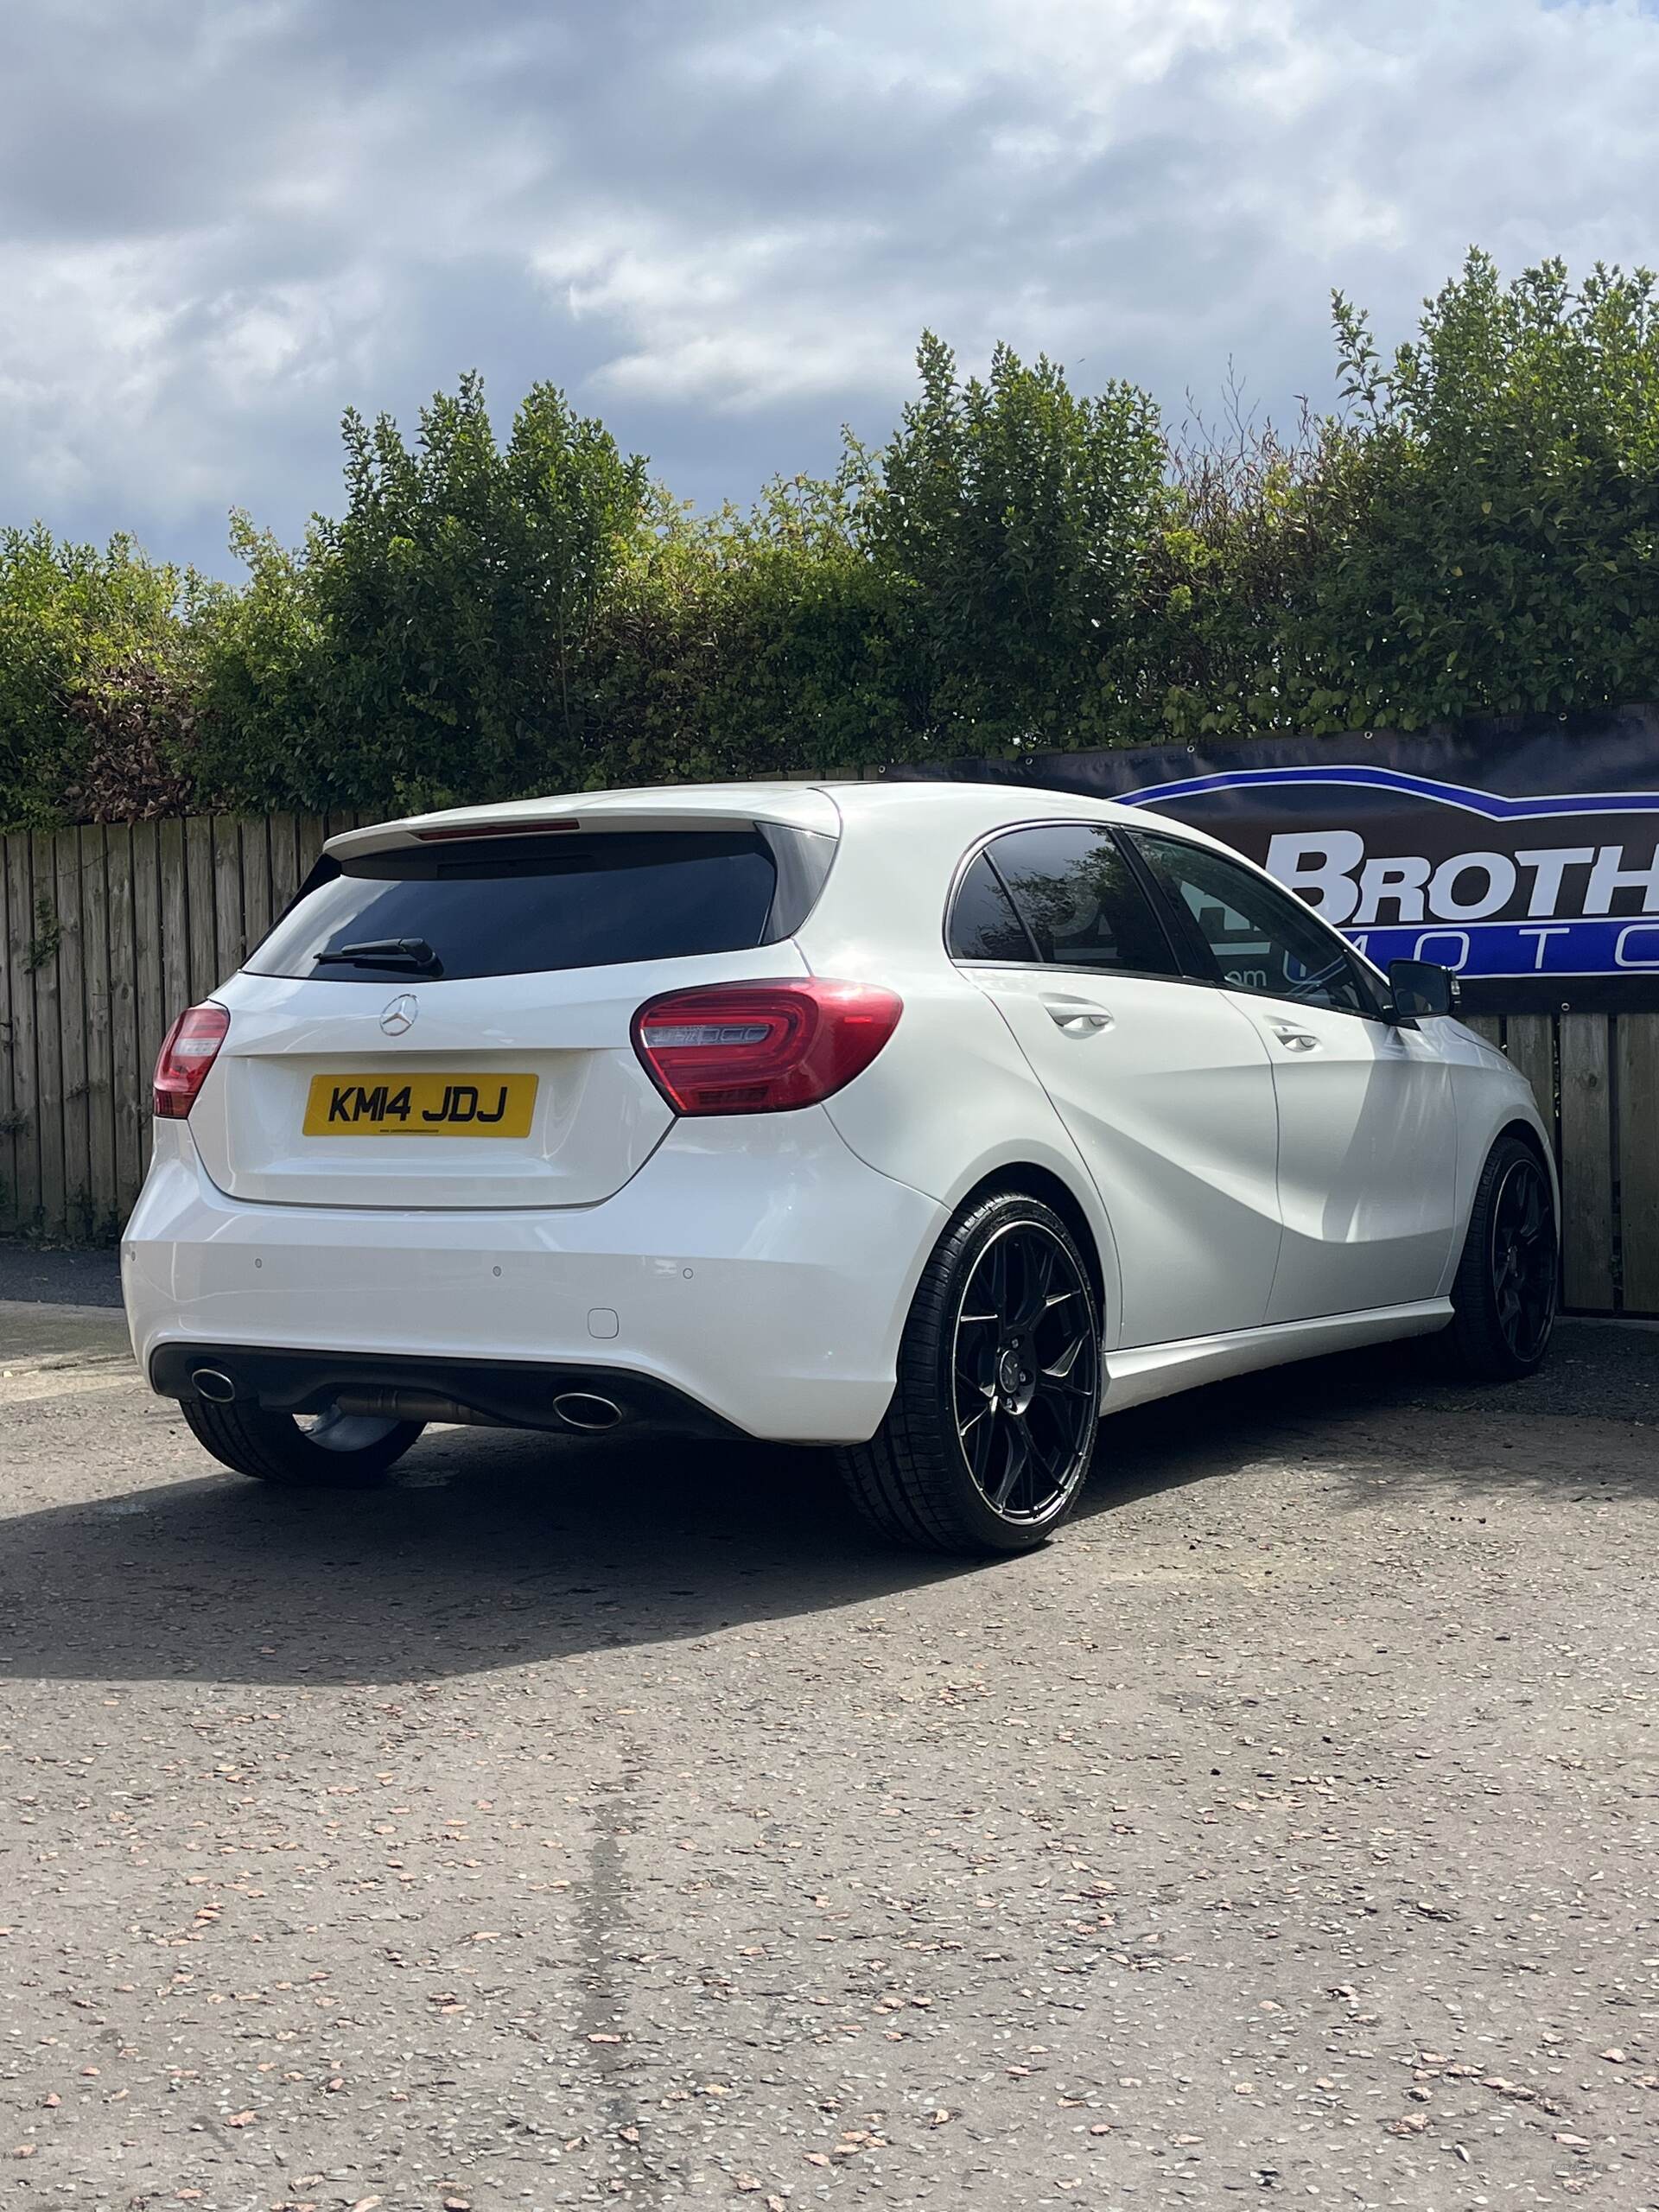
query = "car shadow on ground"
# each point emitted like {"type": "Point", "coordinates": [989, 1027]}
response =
{"type": "Point", "coordinates": [493, 1549]}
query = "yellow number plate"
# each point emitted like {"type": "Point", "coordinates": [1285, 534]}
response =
{"type": "Point", "coordinates": [420, 1105]}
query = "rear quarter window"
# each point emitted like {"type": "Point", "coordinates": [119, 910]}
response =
{"type": "Point", "coordinates": [527, 905]}
{"type": "Point", "coordinates": [983, 924]}
{"type": "Point", "coordinates": [1062, 894]}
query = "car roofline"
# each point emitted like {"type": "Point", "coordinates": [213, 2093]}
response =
{"type": "Point", "coordinates": [822, 805]}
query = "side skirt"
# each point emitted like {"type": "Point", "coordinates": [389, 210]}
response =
{"type": "Point", "coordinates": [1145, 1371]}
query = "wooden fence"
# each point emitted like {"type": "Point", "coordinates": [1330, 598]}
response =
{"type": "Point", "coordinates": [109, 932]}
{"type": "Point", "coordinates": [1596, 1079]}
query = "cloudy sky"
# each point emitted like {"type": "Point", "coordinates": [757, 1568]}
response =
{"type": "Point", "coordinates": [721, 223]}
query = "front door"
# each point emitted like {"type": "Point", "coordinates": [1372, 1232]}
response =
{"type": "Point", "coordinates": [1165, 1086]}
{"type": "Point", "coordinates": [1367, 1130]}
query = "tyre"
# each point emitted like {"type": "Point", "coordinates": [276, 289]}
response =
{"type": "Point", "coordinates": [1504, 1296]}
{"type": "Point", "coordinates": [329, 1450]}
{"type": "Point", "coordinates": [992, 1425]}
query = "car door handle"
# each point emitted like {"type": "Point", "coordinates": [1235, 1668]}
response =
{"type": "Point", "coordinates": [1294, 1040]}
{"type": "Point", "coordinates": [1078, 1017]}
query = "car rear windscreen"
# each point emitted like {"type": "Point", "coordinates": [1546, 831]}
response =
{"type": "Point", "coordinates": [520, 906]}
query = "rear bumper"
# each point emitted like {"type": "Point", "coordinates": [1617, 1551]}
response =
{"type": "Point", "coordinates": [755, 1274]}
{"type": "Point", "coordinates": [566, 1398]}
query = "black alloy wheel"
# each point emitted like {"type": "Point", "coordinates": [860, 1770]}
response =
{"type": "Point", "coordinates": [989, 1438]}
{"type": "Point", "coordinates": [1026, 1372]}
{"type": "Point", "coordinates": [1522, 1260]}
{"type": "Point", "coordinates": [1504, 1294]}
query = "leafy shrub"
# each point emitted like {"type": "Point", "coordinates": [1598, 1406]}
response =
{"type": "Point", "coordinates": [79, 627]}
{"type": "Point", "coordinates": [1475, 531]}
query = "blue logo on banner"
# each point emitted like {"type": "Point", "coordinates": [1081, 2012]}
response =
{"type": "Point", "coordinates": [1418, 867]}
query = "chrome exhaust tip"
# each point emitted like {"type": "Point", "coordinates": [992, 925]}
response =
{"type": "Point", "coordinates": [583, 1409]}
{"type": "Point", "coordinates": [209, 1382]}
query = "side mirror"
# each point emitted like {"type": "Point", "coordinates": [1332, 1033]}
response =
{"type": "Point", "coordinates": [1420, 988]}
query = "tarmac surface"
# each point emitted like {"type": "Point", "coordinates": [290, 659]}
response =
{"type": "Point", "coordinates": [583, 1824]}
{"type": "Point", "coordinates": [39, 1272]}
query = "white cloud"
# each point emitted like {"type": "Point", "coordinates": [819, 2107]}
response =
{"type": "Point", "coordinates": [723, 225]}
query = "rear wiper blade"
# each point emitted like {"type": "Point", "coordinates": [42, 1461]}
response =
{"type": "Point", "coordinates": [413, 952]}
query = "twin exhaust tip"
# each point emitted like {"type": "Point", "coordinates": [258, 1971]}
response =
{"type": "Point", "coordinates": [580, 1409]}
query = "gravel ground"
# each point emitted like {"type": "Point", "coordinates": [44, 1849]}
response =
{"type": "Point", "coordinates": [592, 1825]}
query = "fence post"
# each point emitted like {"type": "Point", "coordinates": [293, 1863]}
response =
{"type": "Point", "coordinates": [1636, 1067]}
{"type": "Point", "coordinates": [1586, 1162]}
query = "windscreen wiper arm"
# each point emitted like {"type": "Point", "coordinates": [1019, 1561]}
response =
{"type": "Point", "coordinates": [413, 952]}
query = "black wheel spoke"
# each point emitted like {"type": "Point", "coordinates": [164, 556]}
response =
{"type": "Point", "coordinates": [1058, 1369]}
{"type": "Point", "coordinates": [996, 1282]}
{"type": "Point", "coordinates": [1013, 1467]}
{"type": "Point", "coordinates": [1051, 1442]}
{"type": "Point", "coordinates": [978, 1435]}
{"type": "Point", "coordinates": [1038, 1277]}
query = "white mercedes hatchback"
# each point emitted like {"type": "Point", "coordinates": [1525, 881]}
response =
{"type": "Point", "coordinates": [931, 1122]}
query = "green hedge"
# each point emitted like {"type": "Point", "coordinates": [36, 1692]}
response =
{"type": "Point", "coordinates": [1019, 565]}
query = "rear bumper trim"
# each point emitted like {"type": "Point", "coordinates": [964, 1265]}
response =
{"type": "Point", "coordinates": [512, 1393]}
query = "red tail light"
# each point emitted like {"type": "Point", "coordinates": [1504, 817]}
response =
{"type": "Point", "coordinates": [761, 1048]}
{"type": "Point", "coordinates": [189, 1050]}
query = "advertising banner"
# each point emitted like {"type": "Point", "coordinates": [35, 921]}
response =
{"type": "Point", "coordinates": [1523, 853]}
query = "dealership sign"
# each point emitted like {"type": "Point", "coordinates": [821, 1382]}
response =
{"type": "Point", "coordinates": [1522, 854]}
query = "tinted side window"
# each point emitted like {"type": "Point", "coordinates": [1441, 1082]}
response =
{"type": "Point", "coordinates": [983, 924]}
{"type": "Point", "coordinates": [521, 906]}
{"type": "Point", "coordinates": [1260, 939]}
{"type": "Point", "coordinates": [1079, 896]}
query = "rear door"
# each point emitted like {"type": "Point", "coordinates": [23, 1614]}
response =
{"type": "Point", "coordinates": [1165, 1087]}
{"type": "Point", "coordinates": [1367, 1128]}
{"type": "Point", "coordinates": [448, 1023]}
